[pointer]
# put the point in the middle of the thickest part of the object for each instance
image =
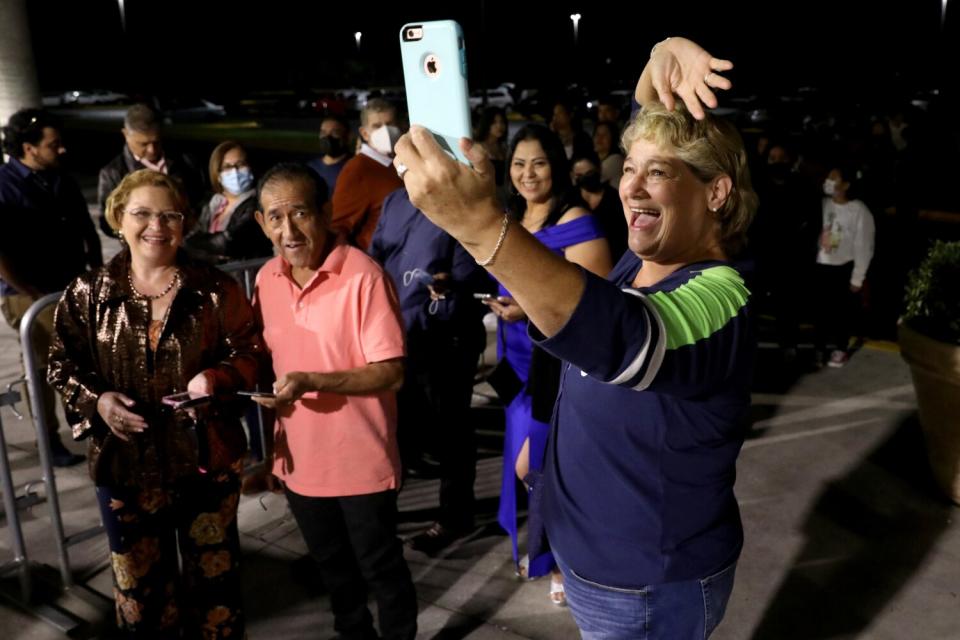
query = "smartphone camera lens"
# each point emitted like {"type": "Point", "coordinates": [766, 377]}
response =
{"type": "Point", "coordinates": [410, 33]}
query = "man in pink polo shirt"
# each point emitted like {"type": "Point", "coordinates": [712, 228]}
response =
{"type": "Point", "coordinates": [332, 324]}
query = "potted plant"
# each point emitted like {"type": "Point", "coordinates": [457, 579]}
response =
{"type": "Point", "coordinates": [930, 343]}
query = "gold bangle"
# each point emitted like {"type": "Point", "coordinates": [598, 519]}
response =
{"type": "Point", "coordinates": [654, 49]}
{"type": "Point", "coordinates": [496, 249]}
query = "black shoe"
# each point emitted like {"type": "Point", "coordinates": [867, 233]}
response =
{"type": "Point", "coordinates": [63, 457]}
{"type": "Point", "coordinates": [435, 539]}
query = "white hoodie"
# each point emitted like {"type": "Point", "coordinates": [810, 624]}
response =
{"type": "Point", "coordinates": [851, 230]}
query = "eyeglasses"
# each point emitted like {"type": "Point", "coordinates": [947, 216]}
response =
{"type": "Point", "coordinates": [166, 218]}
{"type": "Point", "coordinates": [236, 165]}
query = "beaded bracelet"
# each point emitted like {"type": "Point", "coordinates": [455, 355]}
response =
{"type": "Point", "coordinates": [496, 249]}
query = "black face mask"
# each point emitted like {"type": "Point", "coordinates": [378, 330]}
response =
{"type": "Point", "coordinates": [331, 146]}
{"type": "Point", "coordinates": [590, 182]}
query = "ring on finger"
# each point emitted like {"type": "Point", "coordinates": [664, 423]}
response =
{"type": "Point", "coordinates": [706, 78]}
{"type": "Point", "coordinates": [401, 169]}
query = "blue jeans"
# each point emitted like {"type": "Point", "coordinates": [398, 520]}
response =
{"type": "Point", "coordinates": [688, 610]}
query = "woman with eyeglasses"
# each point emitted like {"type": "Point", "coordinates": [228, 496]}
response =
{"type": "Point", "coordinates": [227, 229]}
{"type": "Point", "coordinates": [149, 324]}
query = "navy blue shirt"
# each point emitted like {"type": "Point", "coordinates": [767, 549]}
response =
{"type": "Point", "coordinates": [46, 235]}
{"type": "Point", "coordinates": [329, 172]}
{"type": "Point", "coordinates": [411, 249]}
{"type": "Point", "coordinates": [652, 412]}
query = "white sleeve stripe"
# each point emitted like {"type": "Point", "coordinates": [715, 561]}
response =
{"type": "Point", "coordinates": [659, 350]}
{"type": "Point", "coordinates": [656, 359]}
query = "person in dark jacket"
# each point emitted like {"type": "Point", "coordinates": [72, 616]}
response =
{"type": "Point", "coordinates": [144, 149]}
{"type": "Point", "coordinates": [227, 229]}
{"type": "Point", "coordinates": [436, 279]}
{"type": "Point", "coordinates": [48, 238]}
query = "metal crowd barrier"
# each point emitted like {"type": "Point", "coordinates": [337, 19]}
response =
{"type": "Point", "coordinates": [244, 271]}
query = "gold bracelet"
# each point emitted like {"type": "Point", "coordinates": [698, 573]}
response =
{"type": "Point", "coordinates": [496, 249]}
{"type": "Point", "coordinates": [654, 49]}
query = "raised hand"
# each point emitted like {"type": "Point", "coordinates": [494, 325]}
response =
{"type": "Point", "coordinates": [681, 67]}
{"type": "Point", "coordinates": [448, 192]}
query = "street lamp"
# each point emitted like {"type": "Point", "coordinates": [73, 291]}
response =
{"type": "Point", "coordinates": [357, 38]}
{"type": "Point", "coordinates": [575, 17]}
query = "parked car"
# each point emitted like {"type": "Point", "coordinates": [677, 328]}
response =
{"type": "Point", "coordinates": [83, 98]}
{"type": "Point", "coordinates": [499, 97]}
{"type": "Point", "coordinates": [181, 109]}
{"type": "Point", "coordinates": [326, 103]}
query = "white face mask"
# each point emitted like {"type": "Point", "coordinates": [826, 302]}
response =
{"type": "Point", "coordinates": [383, 138]}
{"type": "Point", "coordinates": [829, 186]}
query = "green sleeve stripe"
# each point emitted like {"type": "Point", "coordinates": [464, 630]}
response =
{"type": "Point", "coordinates": [701, 306]}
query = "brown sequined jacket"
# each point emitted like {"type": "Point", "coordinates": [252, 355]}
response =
{"type": "Point", "coordinates": [101, 344]}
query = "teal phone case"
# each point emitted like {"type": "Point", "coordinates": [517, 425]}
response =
{"type": "Point", "coordinates": [435, 77]}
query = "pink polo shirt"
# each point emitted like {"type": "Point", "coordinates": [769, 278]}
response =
{"type": "Point", "coordinates": [346, 316]}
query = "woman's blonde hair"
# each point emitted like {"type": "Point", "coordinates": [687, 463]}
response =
{"type": "Point", "coordinates": [117, 201]}
{"type": "Point", "coordinates": [709, 147]}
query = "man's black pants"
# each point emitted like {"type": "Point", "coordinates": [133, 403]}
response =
{"type": "Point", "coordinates": [353, 540]}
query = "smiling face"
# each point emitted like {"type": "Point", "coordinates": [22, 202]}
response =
{"type": "Point", "coordinates": [666, 207]}
{"type": "Point", "coordinates": [152, 236]}
{"type": "Point", "coordinates": [530, 172]}
{"type": "Point", "coordinates": [290, 217]}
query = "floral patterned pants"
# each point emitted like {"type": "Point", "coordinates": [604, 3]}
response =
{"type": "Point", "coordinates": [155, 596]}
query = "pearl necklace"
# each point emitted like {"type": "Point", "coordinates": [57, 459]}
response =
{"type": "Point", "coordinates": [173, 281]}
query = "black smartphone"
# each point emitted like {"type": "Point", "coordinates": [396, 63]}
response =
{"type": "Point", "coordinates": [257, 394]}
{"type": "Point", "coordinates": [186, 399]}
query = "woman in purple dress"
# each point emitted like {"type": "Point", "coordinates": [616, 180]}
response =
{"type": "Point", "coordinates": [544, 201]}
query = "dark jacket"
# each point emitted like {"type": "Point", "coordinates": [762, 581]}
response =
{"type": "Point", "coordinates": [179, 166]}
{"type": "Point", "coordinates": [407, 244]}
{"type": "Point", "coordinates": [241, 240]}
{"type": "Point", "coordinates": [47, 236]}
{"type": "Point", "coordinates": [100, 344]}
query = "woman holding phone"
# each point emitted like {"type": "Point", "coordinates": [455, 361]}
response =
{"type": "Point", "coordinates": [545, 203]}
{"type": "Point", "coordinates": [637, 491]}
{"type": "Point", "coordinates": [150, 324]}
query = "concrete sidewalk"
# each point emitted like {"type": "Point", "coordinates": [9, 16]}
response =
{"type": "Point", "coordinates": [845, 535]}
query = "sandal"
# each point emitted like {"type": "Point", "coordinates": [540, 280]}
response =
{"type": "Point", "coordinates": [522, 570]}
{"type": "Point", "coordinates": [558, 595]}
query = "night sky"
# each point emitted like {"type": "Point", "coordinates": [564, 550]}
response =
{"type": "Point", "coordinates": [214, 48]}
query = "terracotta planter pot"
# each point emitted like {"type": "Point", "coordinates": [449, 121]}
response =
{"type": "Point", "coordinates": [935, 367]}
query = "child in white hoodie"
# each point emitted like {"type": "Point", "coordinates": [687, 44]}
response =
{"type": "Point", "coordinates": [846, 248]}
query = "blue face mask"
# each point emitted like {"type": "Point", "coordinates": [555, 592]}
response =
{"type": "Point", "coordinates": [236, 181]}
